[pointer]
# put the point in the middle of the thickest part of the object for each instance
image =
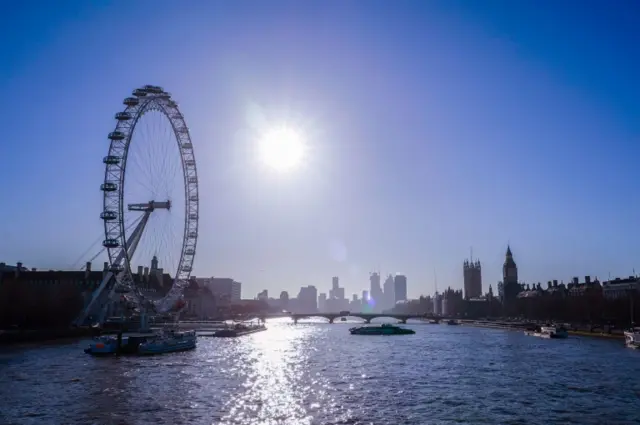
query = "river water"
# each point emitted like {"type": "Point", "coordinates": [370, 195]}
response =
{"type": "Point", "coordinates": [319, 374]}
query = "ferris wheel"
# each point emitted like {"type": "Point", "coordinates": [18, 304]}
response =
{"type": "Point", "coordinates": [146, 216]}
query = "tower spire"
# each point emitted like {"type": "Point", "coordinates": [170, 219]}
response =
{"type": "Point", "coordinates": [435, 279]}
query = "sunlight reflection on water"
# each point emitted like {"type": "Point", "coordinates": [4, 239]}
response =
{"type": "Point", "coordinates": [313, 374]}
{"type": "Point", "coordinates": [275, 362]}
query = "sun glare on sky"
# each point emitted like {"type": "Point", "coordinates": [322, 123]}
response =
{"type": "Point", "coordinates": [282, 148]}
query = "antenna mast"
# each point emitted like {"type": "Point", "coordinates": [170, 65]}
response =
{"type": "Point", "coordinates": [435, 279]}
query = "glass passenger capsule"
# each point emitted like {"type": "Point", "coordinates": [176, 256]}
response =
{"type": "Point", "coordinates": [116, 135]}
{"type": "Point", "coordinates": [131, 101]}
{"type": "Point", "coordinates": [108, 187]}
{"type": "Point", "coordinates": [111, 159]}
{"type": "Point", "coordinates": [108, 215]}
{"type": "Point", "coordinates": [110, 243]}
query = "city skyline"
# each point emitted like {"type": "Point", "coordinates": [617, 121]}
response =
{"type": "Point", "coordinates": [416, 152]}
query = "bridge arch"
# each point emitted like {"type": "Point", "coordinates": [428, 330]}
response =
{"type": "Point", "coordinates": [384, 318]}
{"type": "Point", "coordinates": [420, 318]}
{"type": "Point", "coordinates": [298, 317]}
{"type": "Point", "coordinates": [354, 316]}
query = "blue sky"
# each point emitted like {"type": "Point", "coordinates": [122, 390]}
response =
{"type": "Point", "coordinates": [432, 126]}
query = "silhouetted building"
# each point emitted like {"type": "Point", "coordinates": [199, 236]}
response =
{"type": "Point", "coordinates": [284, 300]}
{"type": "Point", "coordinates": [437, 303]}
{"type": "Point", "coordinates": [48, 298]}
{"type": "Point", "coordinates": [322, 302]}
{"type": "Point", "coordinates": [375, 290]}
{"type": "Point", "coordinates": [336, 301]}
{"type": "Point", "coordinates": [308, 299]}
{"type": "Point", "coordinates": [9, 268]}
{"type": "Point", "coordinates": [200, 302]}
{"type": "Point", "coordinates": [389, 297]}
{"type": "Point", "coordinates": [336, 291]}
{"type": "Point", "coordinates": [355, 305]}
{"type": "Point", "coordinates": [510, 286]}
{"type": "Point", "coordinates": [452, 303]}
{"type": "Point", "coordinates": [472, 279]}
{"type": "Point", "coordinates": [445, 305]}
{"type": "Point", "coordinates": [620, 288]}
{"type": "Point", "coordinates": [400, 287]}
{"type": "Point", "coordinates": [226, 290]}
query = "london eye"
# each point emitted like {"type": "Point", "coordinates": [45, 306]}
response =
{"type": "Point", "coordinates": [150, 204]}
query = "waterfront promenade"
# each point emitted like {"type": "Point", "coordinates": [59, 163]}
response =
{"type": "Point", "coordinates": [520, 326]}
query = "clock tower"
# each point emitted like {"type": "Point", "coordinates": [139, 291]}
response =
{"type": "Point", "coordinates": [511, 288]}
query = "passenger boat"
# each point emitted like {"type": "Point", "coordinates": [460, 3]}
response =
{"type": "Point", "coordinates": [102, 346]}
{"type": "Point", "coordinates": [169, 342]}
{"type": "Point", "coordinates": [632, 338]}
{"type": "Point", "coordinates": [551, 332]}
{"type": "Point", "coordinates": [385, 329]}
{"type": "Point", "coordinates": [107, 345]}
{"type": "Point", "coordinates": [239, 329]}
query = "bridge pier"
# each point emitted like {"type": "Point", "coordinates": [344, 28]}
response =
{"type": "Point", "coordinates": [403, 321]}
{"type": "Point", "coordinates": [367, 321]}
{"type": "Point", "coordinates": [331, 319]}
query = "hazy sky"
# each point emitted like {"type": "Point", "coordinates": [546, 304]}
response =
{"type": "Point", "coordinates": [433, 126]}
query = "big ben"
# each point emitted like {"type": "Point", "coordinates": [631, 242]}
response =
{"type": "Point", "coordinates": [511, 287]}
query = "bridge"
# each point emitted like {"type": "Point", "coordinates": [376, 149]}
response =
{"type": "Point", "coordinates": [367, 317]}
{"type": "Point", "coordinates": [207, 324]}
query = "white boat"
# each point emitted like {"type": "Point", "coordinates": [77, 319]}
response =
{"type": "Point", "coordinates": [169, 342]}
{"type": "Point", "coordinates": [632, 338]}
{"type": "Point", "coordinates": [548, 332]}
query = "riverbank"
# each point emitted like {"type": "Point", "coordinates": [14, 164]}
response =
{"type": "Point", "coordinates": [27, 336]}
{"type": "Point", "coordinates": [597, 335]}
{"type": "Point", "coordinates": [494, 325]}
{"type": "Point", "coordinates": [514, 326]}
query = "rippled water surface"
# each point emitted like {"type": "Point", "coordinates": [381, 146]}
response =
{"type": "Point", "coordinates": [319, 374]}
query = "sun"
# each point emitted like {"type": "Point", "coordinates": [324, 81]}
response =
{"type": "Point", "coordinates": [281, 148]}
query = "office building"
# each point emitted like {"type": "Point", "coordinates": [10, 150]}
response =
{"type": "Point", "coordinates": [308, 299]}
{"type": "Point", "coordinates": [400, 288]}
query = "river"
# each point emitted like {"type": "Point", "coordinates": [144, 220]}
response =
{"type": "Point", "coordinates": [317, 373]}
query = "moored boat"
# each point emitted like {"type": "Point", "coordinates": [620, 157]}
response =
{"type": "Point", "coordinates": [550, 332]}
{"type": "Point", "coordinates": [559, 332]}
{"type": "Point", "coordinates": [239, 330]}
{"type": "Point", "coordinates": [632, 338]}
{"type": "Point", "coordinates": [452, 322]}
{"type": "Point", "coordinates": [385, 329]}
{"type": "Point", "coordinates": [169, 342]}
{"type": "Point", "coordinates": [108, 345]}
{"type": "Point", "coordinates": [102, 346]}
